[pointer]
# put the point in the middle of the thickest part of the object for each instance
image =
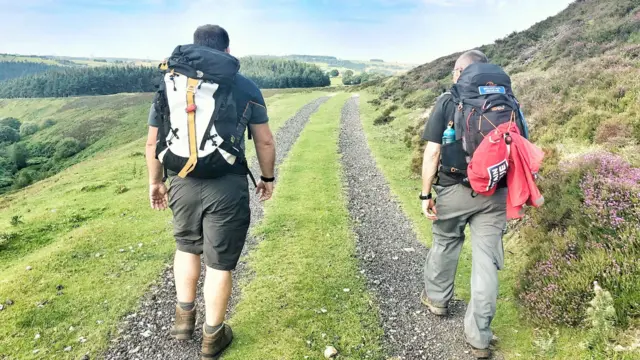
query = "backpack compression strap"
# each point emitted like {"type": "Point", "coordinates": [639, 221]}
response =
{"type": "Point", "coordinates": [191, 120]}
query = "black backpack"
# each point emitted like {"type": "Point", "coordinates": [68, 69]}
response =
{"type": "Point", "coordinates": [484, 100]}
{"type": "Point", "coordinates": [201, 133]}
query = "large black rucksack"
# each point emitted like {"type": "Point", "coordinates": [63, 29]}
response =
{"type": "Point", "coordinates": [201, 132]}
{"type": "Point", "coordinates": [484, 100]}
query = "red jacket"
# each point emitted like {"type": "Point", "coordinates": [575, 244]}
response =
{"type": "Point", "coordinates": [512, 156]}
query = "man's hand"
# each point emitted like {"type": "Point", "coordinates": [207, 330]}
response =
{"type": "Point", "coordinates": [429, 209]}
{"type": "Point", "coordinates": [158, 196]}
{"type": "Point", "coordinates": [265, 190]}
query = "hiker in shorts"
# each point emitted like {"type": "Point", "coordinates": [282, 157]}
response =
{"type": "Point", "coordinates": [197, 125]}
{"type": "Point", "coordinates": [446, 157]}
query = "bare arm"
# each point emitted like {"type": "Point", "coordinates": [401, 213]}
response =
{"type": "Point", "coordinates": [266, 152]}
{"type": "Point", "coordinates": [153, 165]}
{"type": "Point", "coordinates": [430, 165]}
{"type": "Point", "coordinates": [157, 189]}
{"type": "Point", "coordinates": [265, 148]}
{"type": "Point", "coordinates": [429, 171]}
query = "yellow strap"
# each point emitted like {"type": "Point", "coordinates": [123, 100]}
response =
{"type": "Point", "coordinates": [191, 119]}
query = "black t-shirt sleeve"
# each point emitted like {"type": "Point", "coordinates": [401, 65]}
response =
{"type": "Point", "coordinates": [259, 110]}
{"type": "Point", "coordinates": [253, 107]}
{"type": "Point", "coordinates": [443, 112]}
{"type": "Point", "coordinates": [153, 119]}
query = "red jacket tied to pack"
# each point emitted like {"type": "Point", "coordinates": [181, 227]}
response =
{"type": "Point", "coordinates": [505, 153]}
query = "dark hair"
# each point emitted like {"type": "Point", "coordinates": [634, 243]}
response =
{"type": "Point", "coordinates": [212, 36]}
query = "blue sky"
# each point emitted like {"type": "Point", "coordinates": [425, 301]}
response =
{"type": "Point", "coordinates": [414, 31]}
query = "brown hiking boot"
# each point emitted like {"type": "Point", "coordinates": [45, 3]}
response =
{"type": "Point", "coordinates": [481, 353]}
{"type": "Point", "coordinates": [435, 310]}
{"type": "Point", "coordinates": [214, 344]}
{"type": "Point", "coordinates": [185, 323]}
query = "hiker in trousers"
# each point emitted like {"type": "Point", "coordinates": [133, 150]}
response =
{"type": "Point", "coordinates": [456, 207]}
{"type": "Point", "coordinates": [211, 211]}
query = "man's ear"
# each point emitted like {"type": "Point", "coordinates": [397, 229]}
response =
{"type": "Point", "coordinates": [227, 50]}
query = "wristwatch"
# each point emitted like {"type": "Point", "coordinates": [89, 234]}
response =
{"type": "Point", "coordinates": [426, 197]}
{"type": "Point", "coordinates": [266, 179]}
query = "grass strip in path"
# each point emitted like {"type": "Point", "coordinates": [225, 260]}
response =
{"type": "Point", "coordinates": [518, 338]}
{"type": "Point", "coordinates": [306, 292]}
{"type": "Point", "coordinates": [95, 215]}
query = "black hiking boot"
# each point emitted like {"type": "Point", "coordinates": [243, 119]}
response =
{"type": "Point", "coordinates": [184, 325]}
{"type": "Point", "coordinates": [214, 344]}
{"type": "Point", "coordinates": [435, 310]}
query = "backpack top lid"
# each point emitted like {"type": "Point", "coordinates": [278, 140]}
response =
{"type": "Point", "coordinates": [201, 62]}
{"type": "Point", "coordinates": [482, 79]}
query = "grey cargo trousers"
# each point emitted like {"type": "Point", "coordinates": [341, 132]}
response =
{"type": "Point", "coordinates": [487, 218]}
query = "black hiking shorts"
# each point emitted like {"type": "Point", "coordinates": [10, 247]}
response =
{"type": "Point", "coordinates": [211, 217]}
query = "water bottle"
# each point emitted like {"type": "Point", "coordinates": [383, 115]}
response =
{"type": "Point", "coordinates": [449, 135]}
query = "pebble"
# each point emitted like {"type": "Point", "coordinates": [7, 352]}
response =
{"type": "Point", "coordinates": [121, 250]}
{"type": "Point", "coordinates": [29, 268]}
{"type": "Point", "coordinates": [98, 255]}
{"type": "Point", "coordinates": [147, 333]}
{"type": "Point", "coordinates": [1, 307]}
{"type": "Point", "coordinates": [36, 351]}
{"type": "Point", "coordinates": [36, 337]}
{"type": "Point", "coordinates": [323, 310]}
{"type": "Point", "coordinates": [67, 349]}
{"type": "Point", "coordinates": [71, 328]}
{"type": "Point", "coordinates": [82, 340]}
{"type": "Point", "coordinates": [330, 352]}
{"type": "Point", "coordinates": [140, 245]}
{"type": "Point", "coordinates": [9, 302]}
{"type": "Point", "coordinates": [347, 290]}
{"type": "Point", "coordinates": [99, 322]}
{"type": "Point", "coordinates": [84, 357]}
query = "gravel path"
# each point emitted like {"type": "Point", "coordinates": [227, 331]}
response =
{"type": "Point", "coordinates": [144, 334]}
{"type": "Point", "coordinates": [392, 257]}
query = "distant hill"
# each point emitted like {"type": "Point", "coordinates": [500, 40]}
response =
{"type": "Point", "coordinates": [328, 63]}
{"type": "Point", "coordinates": [113, 79]}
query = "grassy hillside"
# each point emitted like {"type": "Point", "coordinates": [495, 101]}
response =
{"type": "Point", "coordinates": [94, 123]}
{"type": "Point", "coordinates": [87, 225]}
{"type": "Point", "coordinates": [577, 77]}
{"type": "Point", "coordinates": [576, 74]}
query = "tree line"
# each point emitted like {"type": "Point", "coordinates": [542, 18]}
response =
{"type": "Point", "coordinates": [107, 80]}
{"type": "Point", "coordinates": [16, 69]}
{"type": "Point", "coordinates": [65, 82]}
{"type": "Point", "coordinates": [277, 73]}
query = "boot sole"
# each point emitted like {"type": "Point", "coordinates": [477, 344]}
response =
{"type": "Point", "coordinates": [185, 336]}
{"type": "Point", "coordinates": [218, 355]}
{"type": "Point", "coordinates": [182, 337]}
{"type": "Point", "coordinates": [432, 309]}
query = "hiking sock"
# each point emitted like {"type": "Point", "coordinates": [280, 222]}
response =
{"type": "Point", "coordinates": [212, 329]}
{"type": "Point", "coordinates": [187, 306]}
